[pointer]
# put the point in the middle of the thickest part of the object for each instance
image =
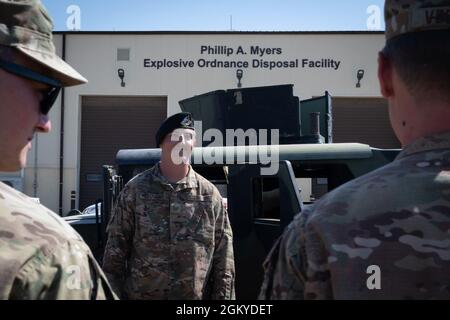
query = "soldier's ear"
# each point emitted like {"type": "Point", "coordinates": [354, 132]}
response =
{"type": "Point", "coordinates": [385, 75]}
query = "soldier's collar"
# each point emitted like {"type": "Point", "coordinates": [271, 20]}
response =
{"type": "Point", "coordinates": [190, 181]}
{"type": "Point", "coordinates": [432, 142]}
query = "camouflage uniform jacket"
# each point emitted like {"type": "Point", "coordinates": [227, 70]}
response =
{"type": "Point", "coordinates": [396, 218]}
{"type": "Point", "coordinates": [42, 257]}
{"type": "Point", "coordinates": [170, 242]}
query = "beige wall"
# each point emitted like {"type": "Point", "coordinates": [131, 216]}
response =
{"type": "Point", "coordinates": [48, 186]}
{"type": "Point", "coordinates": [94, 56]}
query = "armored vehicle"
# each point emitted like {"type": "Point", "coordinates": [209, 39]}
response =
{"type": "Point", "coordinates": [261, 200]}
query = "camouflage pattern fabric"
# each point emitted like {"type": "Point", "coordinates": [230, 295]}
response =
{"type": "Point", "coordinates": [42, 257]}
{"type": "Point", "coordinates": [396, 218]}
{"type": "Point", "coordinates": [170, 242]}
{"type": "Point", "coordinates": [404, 16]}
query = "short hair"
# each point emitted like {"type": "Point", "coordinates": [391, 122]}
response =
{"type": "Point", "coordinates": [422, 62]}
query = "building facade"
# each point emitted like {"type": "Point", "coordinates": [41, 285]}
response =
{"type": "Point", "coordinates": [137, 78]}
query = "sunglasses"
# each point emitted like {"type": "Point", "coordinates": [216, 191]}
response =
{"type": "Point", "coordinates": [49, 96]}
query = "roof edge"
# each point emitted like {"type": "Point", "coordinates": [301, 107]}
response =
{"type": "Point", "coordinates": [219, 32]}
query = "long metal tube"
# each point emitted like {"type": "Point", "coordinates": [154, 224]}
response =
{"type": "Point", "coordinates": [61, 142]}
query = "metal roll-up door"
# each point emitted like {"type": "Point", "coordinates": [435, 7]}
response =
{"type": "Point", "coordinates": [363, 120]}
{"type": "Point", "coordinates": [109, 124]}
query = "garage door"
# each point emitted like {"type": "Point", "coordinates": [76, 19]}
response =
{"type": "Point", "coordinates": [109, 124]}
{"type": "Point", "coordinates": [363, 120]}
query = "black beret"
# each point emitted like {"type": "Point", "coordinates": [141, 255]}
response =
{"type": "Point", "coordinates": [182, 120]}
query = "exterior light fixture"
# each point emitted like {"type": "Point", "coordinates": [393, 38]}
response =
{"type": "Point", "coordinates": [239, 74]}
{"type": "Point", "coordinates": [359, 75]}
{"type": "Point", "coordinates": [121, 74]}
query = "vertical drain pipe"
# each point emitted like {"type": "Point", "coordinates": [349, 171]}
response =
{"type": "Point", "coordinates": [35, 182]}
{"type": "Point", "coordinates": [61, 142]}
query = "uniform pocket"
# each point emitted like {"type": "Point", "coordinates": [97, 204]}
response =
{"type": "Point", "coordinates": [195, 212]}
{"type": "Point", "coordinates": [151, 217]}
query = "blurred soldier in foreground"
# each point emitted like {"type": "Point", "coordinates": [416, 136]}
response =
{"type": "Point", "coordinates": [169, 236]}
{"type": "Point", "coordinates": [41, 257]}
{"type": "Point", "coordinates": [385, 235]}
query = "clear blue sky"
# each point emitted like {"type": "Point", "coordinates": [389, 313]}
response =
{"type": "Point", "coordinates": [214, 15]}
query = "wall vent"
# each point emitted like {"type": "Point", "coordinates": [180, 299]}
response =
{"type": "Point", "coordinates": [123, 54]}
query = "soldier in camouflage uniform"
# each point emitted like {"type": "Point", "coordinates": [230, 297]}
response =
{"type": "Point", "coordinates": [385, 235]}
{"type": "Point", "coordinates": [41, 256]}
{"type": "Point", "coordinates": [169, 236]}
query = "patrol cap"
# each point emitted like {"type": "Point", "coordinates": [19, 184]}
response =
{"type": "Point", "coordinates": [26, 26]}
{"type": "Point", "coordinates": [406, 16]}
{"type": "Point", "coordinates": [182, 120]}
